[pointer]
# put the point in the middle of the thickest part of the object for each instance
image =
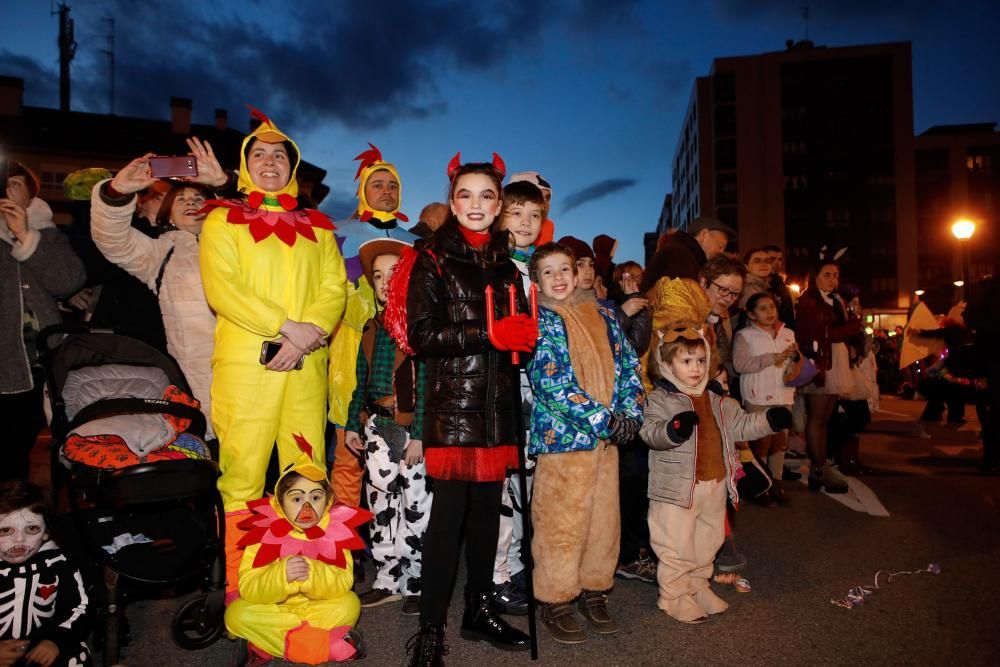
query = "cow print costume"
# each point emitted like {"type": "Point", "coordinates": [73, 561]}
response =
{"type": "Point", "coordinates": [399, 497]}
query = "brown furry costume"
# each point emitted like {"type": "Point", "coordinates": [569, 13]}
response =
{"type": "Point", "coordinates": [574, 506]}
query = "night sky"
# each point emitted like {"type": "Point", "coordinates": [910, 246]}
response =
{"type": "Point", "coordinates": [591, 94]}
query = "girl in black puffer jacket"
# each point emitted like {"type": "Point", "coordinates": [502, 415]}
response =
{"type": "Point", "coordinates": [472, 394]}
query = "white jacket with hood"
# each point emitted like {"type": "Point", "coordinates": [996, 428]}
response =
{"type": "Point", "coordinates": [168, 265]}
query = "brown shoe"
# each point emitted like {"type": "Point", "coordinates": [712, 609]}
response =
{"type": "Point", "coordinates": [594, 607]}
{"type": "Point", "coordinates": [561, 623]}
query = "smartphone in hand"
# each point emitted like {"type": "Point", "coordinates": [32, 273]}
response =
{"type": "Point", "coordinates": [269, 349]}
{"type": "Point", "coordinates": [172, 166]}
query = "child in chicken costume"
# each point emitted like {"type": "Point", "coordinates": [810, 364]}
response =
{"type": "Point", "coordinates": [296, 571]}
{"type": "Point", "coordinates": [266, 263]}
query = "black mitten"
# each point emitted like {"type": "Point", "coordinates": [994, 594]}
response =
{"type": "Point", "coordinates": [682, 426]}
{"type": "Point", "coordinates": [779, 419]}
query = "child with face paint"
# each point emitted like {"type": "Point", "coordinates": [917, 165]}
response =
{"type": "Point", "coordinates": [43, 604]}
{"type": "Point", "coordinates": [296, 572]}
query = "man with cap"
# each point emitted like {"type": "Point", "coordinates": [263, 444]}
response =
{"type": "Point", "coordinates": [685, 252]}
{"type": "Point", "coordinates": [377, 217]}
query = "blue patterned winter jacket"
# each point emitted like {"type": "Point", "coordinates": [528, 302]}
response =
{"type": "Point", "coordinates": [563, 417]}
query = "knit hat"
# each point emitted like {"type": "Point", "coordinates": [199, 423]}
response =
{"type": "Point", "coordinates": [579, 248]}
{"type": "Point", "coordinates": [604, 251]}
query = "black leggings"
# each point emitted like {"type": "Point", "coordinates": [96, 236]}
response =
{"type": "Point", "coordinates": [24, 420]}
{"type": "Point", "coordinates": [477, 505]}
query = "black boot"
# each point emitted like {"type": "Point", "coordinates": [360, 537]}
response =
{"type": "Point", "coordinates": [427, 646]}
{"type": "Point", "coordinates": [481, 622]}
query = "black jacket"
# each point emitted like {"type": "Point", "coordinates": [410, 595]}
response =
{"type": "Point", "coordinates": [472, 388]}
{"type": "Point", "coordinates": [680, 257]}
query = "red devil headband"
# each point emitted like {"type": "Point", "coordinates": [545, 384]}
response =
{"type": "Point", "coordinates": [456, 162]}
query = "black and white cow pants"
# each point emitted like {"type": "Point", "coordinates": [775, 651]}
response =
{"type": "Point", "coordinates": [401, 502]}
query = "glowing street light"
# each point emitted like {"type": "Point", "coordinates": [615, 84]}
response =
{"type": "Point", "coordinates": [959, 283]}
{"type": "Point", "coordinates": [963, 229]}
{"type": "Point", "coordinates": [919, 292]}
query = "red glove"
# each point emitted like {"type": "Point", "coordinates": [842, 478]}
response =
{"type": "Point", "coordinates": [517, 333]}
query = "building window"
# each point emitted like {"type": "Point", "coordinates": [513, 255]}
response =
{"type": "Point", "coordinates": [725, 185]}
{"type": "Point", "coordinates": [725, 87]}
{"type": "Point", "coordinates": [979, 163]}
{"type": "Point", "coordinates": [725, 154]}
{"type": "Point", "coordinates": [725, 120]}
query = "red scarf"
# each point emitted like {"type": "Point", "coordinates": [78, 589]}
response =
{"type": "Point", "coordinates": [477, 240]}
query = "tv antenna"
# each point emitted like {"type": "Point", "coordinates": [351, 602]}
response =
{"type": "Point", "coordinates": [110, 53]}
{"type": "Point", "coordinates": [804, 11]}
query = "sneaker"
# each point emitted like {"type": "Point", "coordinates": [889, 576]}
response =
{"type": "Point", "coordinates": [643, 569]}
{"type": "Point", "coordinates": [594, 607]}
{"type": "Point", "coordinates": [411, 605]}
{"type": "Point", "coordinates": [729, 560]}
{"type": "Point", "coordinates": [833, 480]}
{"type": "Point", "coordinates": [520, 581]}
{"type": "Point", "coordinates": [561, 623]}
{"type": "Point", "coordinates": [378, 596]}
{"type": "Point", "coordinates": [509, 600]}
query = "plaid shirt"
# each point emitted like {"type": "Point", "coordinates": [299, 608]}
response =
{"type": "Point", "coordinates": [380, 385]}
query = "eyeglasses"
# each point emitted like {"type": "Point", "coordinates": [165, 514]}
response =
{"type": "Point", "coordinates": [725, 292]}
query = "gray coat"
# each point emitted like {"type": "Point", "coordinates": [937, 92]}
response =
{"type": "Point", "coordinates": [672, 464]}
{"type": "Point", "coordinates": [39, 272]}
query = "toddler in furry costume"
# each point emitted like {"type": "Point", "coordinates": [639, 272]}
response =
{"type": "Point", "coordinates": [588, 397]}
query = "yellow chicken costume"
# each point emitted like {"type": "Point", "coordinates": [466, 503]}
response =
{"type": "Point", "coordinates": [370, 224]}
{"type": "Point", "coordinates": [305, 621]}
{"type": "Point", "coordinates": [265, 261]}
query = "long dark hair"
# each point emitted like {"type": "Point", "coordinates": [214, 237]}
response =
{"type": "Point", "coordinates": [498, 248]}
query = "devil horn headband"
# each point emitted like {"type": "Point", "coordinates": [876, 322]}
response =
{"type": "Point", "coordinates": [456, 162]}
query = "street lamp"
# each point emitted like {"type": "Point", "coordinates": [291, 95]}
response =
{"type": "Point", "coordinates": [963, 229]}
{"type": "Point", "coordinates": [918, 292]}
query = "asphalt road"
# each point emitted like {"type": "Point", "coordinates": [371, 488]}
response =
{"type": "Point", "coordinates": [800, 557]}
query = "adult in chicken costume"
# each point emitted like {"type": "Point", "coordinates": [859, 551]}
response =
{"type": "Point", "coordinates": [296, 571]}
{"type": "Point", "coordinates": [271, 272]}
{"type": "Point", "coordinates": [378, 216]}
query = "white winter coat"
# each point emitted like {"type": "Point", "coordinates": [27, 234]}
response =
{"type": "Point", "coordinates": [754, 352]}
{"type": "Point", "coordinates": [187, 320]}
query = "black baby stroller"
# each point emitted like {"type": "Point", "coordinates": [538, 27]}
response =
{"type": "Point", "coordinates": [147, 519]}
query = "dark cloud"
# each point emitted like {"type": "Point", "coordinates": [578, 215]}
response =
{"type": "Point", "coordinates": [41, 84]}
{"type": "Point", "coordinates": [828, 9]}
{"type": "Point", "coordinates": [354, 63]}
{"type": "Point", "coordinates": [339, 205]}
{"type": "Point", "coordinates": [596, 191]}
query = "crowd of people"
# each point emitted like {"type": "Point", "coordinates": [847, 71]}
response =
{"type": "Point", "coordinates": [469, 376]}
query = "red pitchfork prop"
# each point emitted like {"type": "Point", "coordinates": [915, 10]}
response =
{"type": "Point", "coordinates": [512, 305]}
{"type": "Point", "coordinates": [521, 444]}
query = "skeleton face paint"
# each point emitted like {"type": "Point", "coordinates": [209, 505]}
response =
{"type": "Point", "coordinates": [21, 535]}
{"type": "Point", "coordinates": [304, 503]}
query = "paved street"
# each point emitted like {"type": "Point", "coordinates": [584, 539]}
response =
{"type": "Point", "coordinates": [939, 511]}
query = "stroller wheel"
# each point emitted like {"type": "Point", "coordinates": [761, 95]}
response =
{"type": "Point", "coordinates": [194, 626]}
